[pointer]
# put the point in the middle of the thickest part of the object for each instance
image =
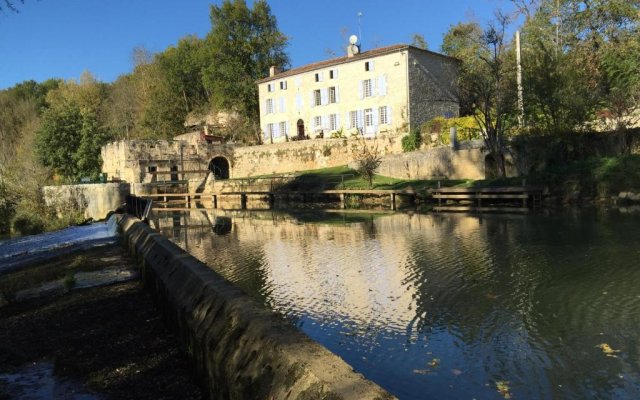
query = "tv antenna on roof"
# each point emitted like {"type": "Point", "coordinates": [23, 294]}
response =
{"type": "Point", "coordinates": [360, 26]}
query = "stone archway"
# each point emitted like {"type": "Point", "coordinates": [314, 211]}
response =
{"type": "Point", "coordinates": [220, 167]}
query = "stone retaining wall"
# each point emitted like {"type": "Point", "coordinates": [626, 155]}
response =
{"type": "Point", "coordinates": [240, 349]}
{"type": "Point", "coordinates": [467, 162]}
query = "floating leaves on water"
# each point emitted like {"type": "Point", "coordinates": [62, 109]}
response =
{"type": "Point", "coordinates": [503, 389]}
{"type": "Point", "coordinates": [434, 363]}
{"type": "Point", "coordinates": [606, 349]}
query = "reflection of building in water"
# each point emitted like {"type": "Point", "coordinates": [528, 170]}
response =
{"type": "Point", "coordinates": [361, 272]}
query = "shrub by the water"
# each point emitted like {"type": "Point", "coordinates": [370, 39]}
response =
{"type": "Point", "coordinates": [25, 224]}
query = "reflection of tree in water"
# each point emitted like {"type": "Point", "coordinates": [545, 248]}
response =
{"type": "Point", "coordinates": [520, 296]}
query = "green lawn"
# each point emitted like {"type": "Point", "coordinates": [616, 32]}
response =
{"type": "Point", "coordinates": [600, 175]}
{"type": "Point", "coordinates": [343, 177]}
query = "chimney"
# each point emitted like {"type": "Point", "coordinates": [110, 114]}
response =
{"type": "Point", "coordinates": [273, 71]}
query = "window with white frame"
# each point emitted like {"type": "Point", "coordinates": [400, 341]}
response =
{"type": "Point", "coordinates": [353, 118]}
{"type": "Point", "coordinates": [270, 130]}
{"type": "Point", "coordinates": [317, 97]}
{"type": "Point", "coordinates": [317, 122]}
{"type": "Point", "coordinates": [383, 115]}
{"type": "Point", "coordinates": [283, 128]}
{"type": "Point", "coordinates": [269, 106]}
{"type": "Point", "coordinates": [332, 95]}
{"type": "Point", "coordinates": [318, 77]}
{"type": "Point", "coordinates": [333, 73]}
{"type": "Point", "coordinates": [366, 88]}
{"type": "Point", "coordinates": [270, 87]}
{"type": "Point", "coordinates": [283, 85]}
{"type": "Point", "coordinates": [368, 117]}
{"type": "Point", "coordinates": [333, 122]}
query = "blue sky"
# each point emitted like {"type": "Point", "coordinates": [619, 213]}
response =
{"type": "Point", "coordinates": [63, 38]}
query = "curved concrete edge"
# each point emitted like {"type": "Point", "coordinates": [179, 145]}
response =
{"type": "Point", "coordinates": [240, 349]}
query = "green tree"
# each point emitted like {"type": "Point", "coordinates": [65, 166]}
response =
{"type": "Point", "coordinates": [574, 54]}
{"type": "Point", "coordinates": [486, 79]}
{"type": "Point", "coordinates": [183, 66]}
{"type": "Point", "coordinates": [72, 131]}
{"type": "Point", "coordinates": [59, 139]}
{"type": "Point", "coordinates": [242, 45]}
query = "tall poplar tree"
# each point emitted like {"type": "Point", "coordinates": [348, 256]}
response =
{"type": "Point", "coordinates": [242, 45]}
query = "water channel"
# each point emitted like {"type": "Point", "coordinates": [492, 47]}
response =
{"type": "Point", "coordinates": [445, 306]}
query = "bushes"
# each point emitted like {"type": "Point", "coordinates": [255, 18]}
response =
{"type": "Point", "coordinates": [28, 224]}
{"type": "Point", "coordinates": [412, 141]}
{"type": "Point", "coordinates": [468, 128]}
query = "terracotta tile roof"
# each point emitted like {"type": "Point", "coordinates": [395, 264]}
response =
{"type": "Point", "coordinates": [341, 60]}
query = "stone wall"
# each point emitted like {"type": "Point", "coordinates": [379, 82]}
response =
{"type": "Point", "coordinates": [131, 160]}
{"type": "Point", "coordinates": [432, 90]}
{"type": "Point", "coordinates": [240, 350]}
{"type": "Point", "coordinates": [435, 163]}
{"type": "Point", "coordinates": [97, 200]}
{"type": "Point", "coordinates": [292, 157]}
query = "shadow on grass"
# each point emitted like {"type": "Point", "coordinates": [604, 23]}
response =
{"type": "Point", "coordinates": [342, 177]}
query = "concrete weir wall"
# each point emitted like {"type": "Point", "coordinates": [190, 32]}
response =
{"type": "Point", "coordinates": [240, 349]}
{"type": "Point", "coordinates": [95, 199]}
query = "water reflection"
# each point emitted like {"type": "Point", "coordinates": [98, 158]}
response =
{"type": "Point", "coordinates": [445, 306]}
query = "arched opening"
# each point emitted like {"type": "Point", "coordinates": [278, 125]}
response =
{"type": "Point", "coordinates": [220, 167]}
{"type": "Point", "coordinates": [300, 125]}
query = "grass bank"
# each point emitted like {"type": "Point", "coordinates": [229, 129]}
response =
{"type": "Point", "coordinates": [600, 177]}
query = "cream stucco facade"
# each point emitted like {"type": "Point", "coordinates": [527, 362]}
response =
{"type": "Point", "coordinates": [385, 91]}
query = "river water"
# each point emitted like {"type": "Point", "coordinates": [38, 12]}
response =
{"type": "Point", "coordinates": [445, 306]}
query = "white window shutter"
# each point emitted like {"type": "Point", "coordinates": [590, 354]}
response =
{"type": "Point", "coordinates": [347, 122]}
{"type": "Point", "coordinates": [374, 87]}
{"type": "Point", "coordinates": [282, 108]}
{"type": "Point", "coordinates": [383, 85]}
{"type": "Point", "coordinates": [371, 65]}
{"type": "Point", "coordinates": [313, 99]}
{"type": "Point", "coordinates": [337, 94]}
{"type": "Point", "coordinates": [324, 97]}
{"type": "Point", "coordinates": [288, 128]}
{"type": "Point", "coordinates": [360, 118]}
{"type": "Point", "coordinates": [335, 73]}
{"type": "Point", "coordinates": [321, 77]}
{"type": "Point", "coordinates": [389, 115]}
{"type": "Point", "coordinates": [361, 89]}
{"type": "Point", "coordinates": [338, 122]}
{"type": "Point", "coordinates": [375, 118]}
